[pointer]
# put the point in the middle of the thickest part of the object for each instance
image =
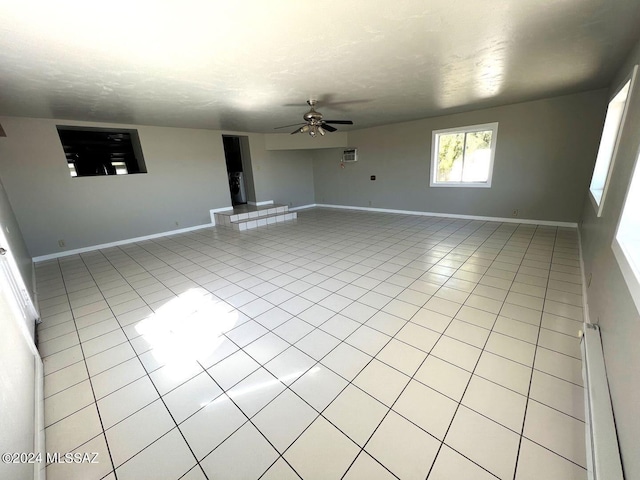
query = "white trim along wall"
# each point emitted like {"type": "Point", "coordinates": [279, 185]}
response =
{"type": "Point", "coordinates": [302, 207]}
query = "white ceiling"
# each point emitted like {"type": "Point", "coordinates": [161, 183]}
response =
{"type": "Point", "coordinates": [240, 65]}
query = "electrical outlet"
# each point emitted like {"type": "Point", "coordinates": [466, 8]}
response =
{"type": "Point", "coordinates": [515, 213]}
{"type": "Point", "coordinates": [177, 223]}
{"type": "Point", "coordinates": [369, 202]}
{"type": "Point", "coordinates": [61, 243]}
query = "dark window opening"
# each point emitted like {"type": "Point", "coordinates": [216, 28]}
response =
{"type": "Point", "coordinates": [101, 151]}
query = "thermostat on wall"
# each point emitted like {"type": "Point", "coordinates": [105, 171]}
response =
{"type": "Point", "coordinates": [350, 155]}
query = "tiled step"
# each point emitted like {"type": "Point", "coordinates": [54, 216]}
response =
{"type": "Point", "coordinates": [263, 221]}
{"type": "Point", "coordinates": [246, 217]}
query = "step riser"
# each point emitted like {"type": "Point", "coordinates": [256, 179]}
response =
{"type": "Point", "coordinates": [263, 222]}
{"type": "Point", "coordinates": [226, 219]}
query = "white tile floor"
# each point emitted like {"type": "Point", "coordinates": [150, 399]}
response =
{"type": "Point", "coordinates": [343, 345]}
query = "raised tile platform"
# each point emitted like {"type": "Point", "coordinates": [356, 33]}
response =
{"type": "Point", "coordinates": [247, 217]}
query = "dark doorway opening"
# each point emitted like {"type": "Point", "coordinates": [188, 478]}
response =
{"type": "Point", "coordinates": [235, 171]}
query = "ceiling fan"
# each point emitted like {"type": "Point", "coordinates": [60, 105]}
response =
{"type": "Point", "coordinates": [314, 123]}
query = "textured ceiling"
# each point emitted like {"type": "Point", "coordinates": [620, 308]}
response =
{"type": "Point", "coordinates": [243, 65]}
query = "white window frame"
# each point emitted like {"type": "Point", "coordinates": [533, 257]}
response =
{"type": "Point", "coordinates": [468, 129]}
{"type": "Point", "coordinates": [627, 250]}
{"type": "Point", "coordinates": [598, 200]}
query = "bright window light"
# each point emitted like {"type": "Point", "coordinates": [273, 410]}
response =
{"type": "Point", "coordinates": [121, 168]}
{"type": "Point", "coordinates": [605, 159]}
{"type": "Point", "coordinates": [626, 243]}
{"type": "Point", "coordinates": [463, 157]}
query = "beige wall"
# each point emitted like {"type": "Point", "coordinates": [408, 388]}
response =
{"type": "Point", "coordinates": [15, 240]}
{"type": "Point", "coordinates": [544, 155]}
{"type": "Point", "coordinates": [610, 302]}
{"type": "Point", "coordinates": [286, 141]}
{"type": "Point", "coordinates": [543, 159]}
{"type": "Point", "coordinates": [284, 176]}
{"type": "Point", "coordinates": [186, 178]}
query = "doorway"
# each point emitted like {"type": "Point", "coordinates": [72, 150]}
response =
{"type": "Point", "coordinates": [236, 171]}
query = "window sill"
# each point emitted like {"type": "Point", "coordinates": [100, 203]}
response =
{"type": "Point", "coordinates": [627, 254]}
{"type": "Point", "coordinates": [459, 185]}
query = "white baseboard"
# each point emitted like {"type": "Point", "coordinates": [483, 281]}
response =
{"type": "Point", "coordinates": [585, 303]}
{"type": "Point", "coordinates": [303, 207]}
{"type": "Point", "coordinates": [76, 251]}
{"type": "Point", "coordinates": [259, 204]}
{"type": "Point", "coordinates": [453, 215]}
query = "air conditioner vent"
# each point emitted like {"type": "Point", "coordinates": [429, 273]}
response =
{"type": "Point", "coordinates": [350, 155]}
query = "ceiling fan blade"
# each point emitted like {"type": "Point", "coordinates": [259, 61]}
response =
{"type": "Point", "coordinates": [292, 125]}
{"type": "Point", "coordinates": [329, 128]}
{"type": "Point", "coordinates": [297, 130]}
{"type": "Point", "coordinates": [339, 122]}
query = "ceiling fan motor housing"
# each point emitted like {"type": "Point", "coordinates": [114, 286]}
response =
{"type": "Point", "coordinates": [313, 117]}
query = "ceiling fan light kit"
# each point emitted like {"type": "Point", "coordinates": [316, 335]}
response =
{"type": "Point", "coordinates": [315, 124]}
{"type": "Point", "coordinates": [312, 129]}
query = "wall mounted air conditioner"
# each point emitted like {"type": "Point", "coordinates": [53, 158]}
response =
{"type": "Point", "coordinates": [350, 155]}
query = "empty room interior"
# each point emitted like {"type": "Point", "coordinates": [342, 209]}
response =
{"type": "Point", "coordinates": [343, 240]}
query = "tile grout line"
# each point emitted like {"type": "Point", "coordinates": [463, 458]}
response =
{"type": "Point", "coordinates": [93, 393]}
{"type": "Point", "coordinates": [349, 382]}
{"type": "Point", "coordinates": [160, 397]}
{"type": "Point", "coordinates": [473, 372]}
{"type": "Point", "coordinates": [405, 250]}
{"type": "Point", "coordinates": [317, 327]}
{"type": "Point", "coordinates": [404, 388]}
{"type": "Point", "coordinates": [104, 431]}
{"type": "Point", "coordinates": [459, 403]}
{"type": "Point", "coordinates": [524, 418]}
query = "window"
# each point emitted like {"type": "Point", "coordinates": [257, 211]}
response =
{"type": "Point", "coordinates": [121, 167]}
{"type": "Point", "coordinates": [463, 157]}
{"type": "Point", "coordinates": [101, 151]}
{"type": "Point", "coordinates": [605, 159]}
{"type": "Point", "coordinates": [626, 243]}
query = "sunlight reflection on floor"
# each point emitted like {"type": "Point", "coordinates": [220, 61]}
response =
{"type": "Point", "coordinates": [187, 328]}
